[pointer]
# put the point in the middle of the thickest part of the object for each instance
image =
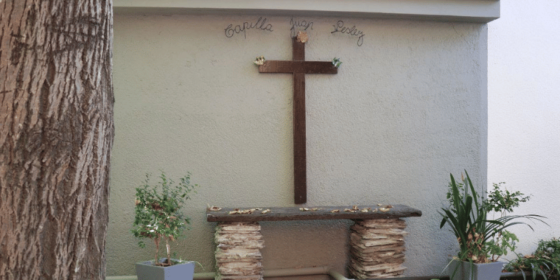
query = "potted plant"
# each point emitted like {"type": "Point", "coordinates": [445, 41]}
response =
{"type": "Point", "coordinates": [545, 261]}
{"type": "Point", "coordinates": [158, 217]}
{"type": "Point", "coordinates": [480, 239]}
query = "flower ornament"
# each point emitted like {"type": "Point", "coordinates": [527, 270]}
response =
{"type": "Point", "coordinates": [259, 61]}
{"type": "Point", "coordinates": [302, 37]}
{"type": "Point", "coordinates": [336, 62]}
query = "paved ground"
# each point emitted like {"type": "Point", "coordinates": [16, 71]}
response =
{"type": "Point", "coordinates": [447, 278]}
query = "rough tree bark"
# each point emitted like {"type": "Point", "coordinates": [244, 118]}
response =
{"type": "Point", "coordinates": [56, 134]}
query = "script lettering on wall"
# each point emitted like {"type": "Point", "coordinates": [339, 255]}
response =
{"type": "Point", "coordinates": [352, 31]}
{"type": "Point", "coordinates": [260, 24]}
{"type": "Point", "coordinates": [299, 25]}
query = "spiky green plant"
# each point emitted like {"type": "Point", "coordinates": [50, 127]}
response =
{"type": "Point", "coordinates": [467, 215]}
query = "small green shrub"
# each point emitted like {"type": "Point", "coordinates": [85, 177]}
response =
{"type": "Point", "coordinates": [158, 216]}
{"type": "Point", "coordinates": [544, 261]}
{"type": "Point", "coordinates": [501, 200]}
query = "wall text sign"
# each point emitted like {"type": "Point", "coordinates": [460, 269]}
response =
{"type": "Point", "coordinates": [299, 25]}
{"type": "Point", "coordinates": [259, 24]}
{"type": "Point", "coordinates": [353, 31]}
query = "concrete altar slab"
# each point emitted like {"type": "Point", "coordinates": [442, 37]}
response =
{"type": "Point", "coordinates": [312, 213]}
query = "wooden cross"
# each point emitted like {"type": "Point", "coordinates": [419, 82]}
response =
{"type": "Point", "coordinates": [298, 67]}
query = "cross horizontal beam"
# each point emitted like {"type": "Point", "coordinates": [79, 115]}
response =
{"type": "Point", "coordinates": [305, 67]}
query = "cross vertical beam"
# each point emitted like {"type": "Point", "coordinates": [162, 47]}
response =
{"type": "Point", "coordinates": [300, 140]}
{"type": "Point", "coordinates": [298, 67]}
{"type": "Point", "coordinates": [300, 136]}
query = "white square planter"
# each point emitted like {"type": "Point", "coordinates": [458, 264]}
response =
{"type": "Point", "coordinates": [147, 271]}
{"type": "Point", "coordinates": [480, 271]}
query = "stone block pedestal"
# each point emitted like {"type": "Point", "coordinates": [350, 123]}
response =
{"type": "Point", "coordinates": [238, 254]}
{"type": "Point", "coordinates": [377, 248]}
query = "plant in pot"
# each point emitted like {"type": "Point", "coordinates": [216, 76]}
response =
{"type": "Point", "coordinates": [481, 240]}
{"type": "Point", "coordinates": [158, 217]}
{"type": "Point", "coordinates": [545, 261]}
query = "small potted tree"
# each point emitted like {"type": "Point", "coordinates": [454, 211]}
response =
{"type": "Point", "coordinates": [158, 217]}
{"type": "Point", "coordinates": [481, 240]}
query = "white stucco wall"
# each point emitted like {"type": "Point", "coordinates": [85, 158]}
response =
{"type": "Point", "coordinates": [524, 110]}
{"type": "Point", "coordinates": [407, 108]}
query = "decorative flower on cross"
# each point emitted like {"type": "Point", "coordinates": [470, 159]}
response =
{"type": "Point", "coordinates": [302, 37]}
{"type": "Point", "coordinates": [336, 62]}
{"type": "Point", "coordinates": [260, 60]}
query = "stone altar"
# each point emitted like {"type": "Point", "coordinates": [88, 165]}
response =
{"type": "Point", "coordinates": [376, 238]}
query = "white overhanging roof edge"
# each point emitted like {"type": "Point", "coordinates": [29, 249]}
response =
{"type": "Point", "coordinates": [447, 10]}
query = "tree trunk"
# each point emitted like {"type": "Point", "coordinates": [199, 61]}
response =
{"type": "Point", "coordinates": [56, 134]}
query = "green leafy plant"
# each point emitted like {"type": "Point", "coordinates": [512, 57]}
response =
{"type": "Point", "coordinates": [467, 216]}
{"type": "Point", "coordinates": [502, 201]}
{"type": "Point", "coordinates": [544, 261]}
{"type": "Point", "coordinates": [158, 216]}
{"type": "Point", "coordinates": [501, 243]}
